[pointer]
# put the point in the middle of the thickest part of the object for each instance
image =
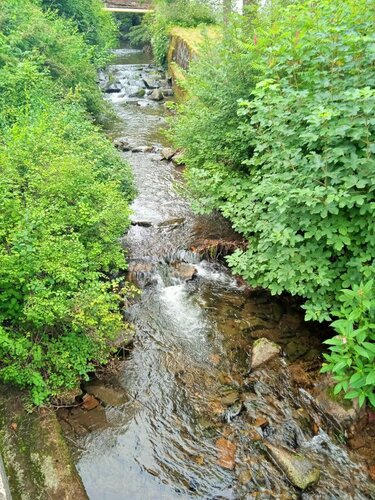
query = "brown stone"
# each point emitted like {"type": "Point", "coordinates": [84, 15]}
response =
{"type": "Point", "coordinates": [254, 435]}
{"type": "Point", "coordinates": [263, 351]}
{"type": "Point", "coordinates": [89, 402]}
{"type": "Point", "coordinates": [261, 422]}
{"type": "Point", "coordinates": [108, 395]}
{"type": "Point", "coordinates": [356, 443]}
{"type": "Point", "coordinates": [226, 453]}
{"type": "Point", "coordinates": [184, 271]}
{"type": "Point", "coordinates": [230, 398]}
{"type": "Point", "coordinates": [371, 471]}
{"type": "Point", "coordinates": [245, 477]}
{"type": "Point", "coordinates": [215, 359]}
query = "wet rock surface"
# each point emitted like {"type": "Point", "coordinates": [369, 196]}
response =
{"type": "Point", "coordinates": [263, 351]}
{"type": "Point", "coordinates": [107, 395]}
{"type": "Point", "coordinates": [300, 471]}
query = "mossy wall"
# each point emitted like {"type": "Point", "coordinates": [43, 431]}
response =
{"type": "Point", "coordinates": [184, 47]}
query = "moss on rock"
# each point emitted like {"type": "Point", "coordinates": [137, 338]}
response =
{"type": "Point", "coordinates": [36, 457]}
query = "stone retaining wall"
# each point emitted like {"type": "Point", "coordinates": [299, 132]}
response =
{"type": "Point", "coordinates": [185, 45]}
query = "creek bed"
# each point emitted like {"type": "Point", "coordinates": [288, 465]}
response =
{"type": "Point", "coordinates": [184, 417]}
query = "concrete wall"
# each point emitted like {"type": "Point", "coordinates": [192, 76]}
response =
{"type": "Point", "coordinates": [4, 486]}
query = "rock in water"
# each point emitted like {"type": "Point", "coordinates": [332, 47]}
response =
{"type": "Point", "coordinates": [263, 350]}
{"type": "Point", "coordinates": [113, 88]}
{"type": "Point", "coordinates": [122, 144]}
{"type": "Point", "coordinates": [186, 272]}
{"type": "Point", "coordinates": [109, 396]}
{"type": "Point", "coordinates": [168, 153]}
{"type": "Point", "coordinates": [151, 84]}
{"type": "Point", "coordinates": [226, 453]}
{"type": "Point", "coordinates": [140, 92]}
{"type": "Point", "coordinates": [157, 95]}
{"type": "Point", "coordinates": [300, 471]}
{"type": "Point", "coordinates": [89, 402]}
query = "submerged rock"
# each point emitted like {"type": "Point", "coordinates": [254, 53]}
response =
{"type": "Point", "coordinates": [232, 412]}
{"type": "Point", "coordinates": [176, 221]}
{"type": "Point", "coordinates": [89, 402]}
{"type": "Point", "coordinates": [109, 396]}
{"type": "Point", "coordinates": [300, 471]}
{"type": "Point", "coordinates": [263, 350]}
{"type": "Point", "coordinates": [142, 149]}
{"type": "Point", "coordinates": [141, 223]}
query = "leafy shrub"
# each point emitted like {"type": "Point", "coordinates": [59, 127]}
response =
{"type": "Point", "coordinates": [140, 36]}
{"type": "Point", "coordinates": [64, 204]}
{"type": "Point", "coordinates": [279, 136]}
{"type": "Point", "coordinates": [156, 26]}
{"type": "Point", "coordinates": [98, 28]}
{"type": "Point", "coordinates": [53, 45]}
{"type": "Point", "coordinates": [352, 356]}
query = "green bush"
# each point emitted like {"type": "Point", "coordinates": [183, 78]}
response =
{"type": "Point", "coordinates": [98, 28]}
{"type": "Point", "coordinates": [156, 26]}
{"type": "Point", "coordinates": [64, 204]}
{"type": "Point", "coordinates": [54, 46]}
{"type": "Point", "coordinates": [352, 356]}
{"type": "Point", "coordinates": [279, 136]}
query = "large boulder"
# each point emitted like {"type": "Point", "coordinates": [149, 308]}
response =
{"type": "Point", "coordinates": [300, 471]}
{"type": "Point", "coordinates": [263, 351]}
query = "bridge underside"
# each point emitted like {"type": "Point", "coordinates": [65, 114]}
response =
{"type": "Point", "coordinates": [131, 6]}
{"type": "Point", "coordinates": [131, 10]}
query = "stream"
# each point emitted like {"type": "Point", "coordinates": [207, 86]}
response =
{"type": "Point", "coordinates": [184, 416]}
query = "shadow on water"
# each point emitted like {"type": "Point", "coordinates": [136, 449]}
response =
{"type": "Point", "coordinates": [187, 418]}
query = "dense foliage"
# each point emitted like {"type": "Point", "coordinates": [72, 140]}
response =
{"type": "Point", "coordinates": [64, 204]}
{"type": "Point", "coordinates": [98, 28]}
{"type": "Point", "coordinates": [156, 26]}
{"type": "Point", "coordinates": [352, 356]}
{"type": "Point", "coordinates": [279, 136]}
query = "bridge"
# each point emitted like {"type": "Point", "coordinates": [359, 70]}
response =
{"type": "Point", "coordinates": [131, 6]}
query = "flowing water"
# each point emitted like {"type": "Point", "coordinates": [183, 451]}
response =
{"type": "Point", "coordinates": [192, 421]}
